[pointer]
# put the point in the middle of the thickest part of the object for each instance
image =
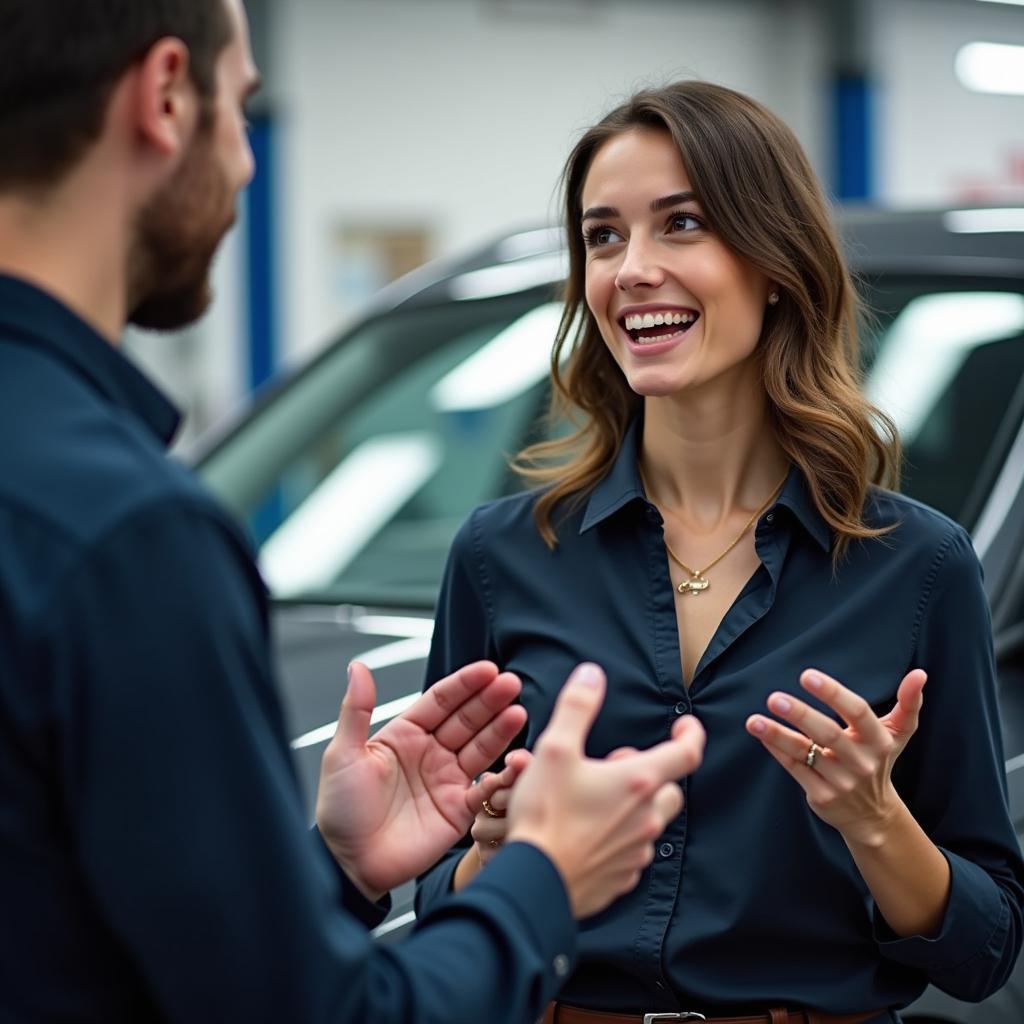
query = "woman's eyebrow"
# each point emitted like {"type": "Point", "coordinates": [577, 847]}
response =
{"type": "Point", "coordinates": [600, 213]}
{"type": "Point", "coordinates": [665, 203]}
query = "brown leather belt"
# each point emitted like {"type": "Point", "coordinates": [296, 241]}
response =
{"type": "Point", "coordinates": [560, 1013]}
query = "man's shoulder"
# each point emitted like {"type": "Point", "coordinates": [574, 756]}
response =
{"type": "Point", "coordinates": [75, 464]}
{"type": "Point", "coordinates": [74, 471]}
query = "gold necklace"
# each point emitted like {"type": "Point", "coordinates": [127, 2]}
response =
{"type": "Point", "coordinates": [698, 582]}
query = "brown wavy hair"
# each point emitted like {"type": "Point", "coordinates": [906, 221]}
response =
{"type": "Point", "coordinates": [761, 197]}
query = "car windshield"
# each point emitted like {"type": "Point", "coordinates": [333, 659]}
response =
{"type": "Point", "coordinates": [354, 479]}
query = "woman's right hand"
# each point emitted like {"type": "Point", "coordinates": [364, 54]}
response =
{"type": "Point", "coordinates": [488, 830]}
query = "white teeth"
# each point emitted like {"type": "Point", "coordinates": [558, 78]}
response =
{"type": "Point", "coordinates": [640, 321]}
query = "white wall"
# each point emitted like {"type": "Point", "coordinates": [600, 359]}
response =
{"type": "Point", "coordinates": [935, 138]}
{"type": "Point", "coordinates": [450, 114]}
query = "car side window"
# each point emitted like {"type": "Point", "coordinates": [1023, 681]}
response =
{"type": "Point", "coordinates": [946, 366]}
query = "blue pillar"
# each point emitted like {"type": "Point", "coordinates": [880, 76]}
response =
{"type": "Point", "coordinates": [261, 293]}
{"type": "Point", "coordinates": [852, 130]}
{"type": "Point", "coordinates": [261, 279]}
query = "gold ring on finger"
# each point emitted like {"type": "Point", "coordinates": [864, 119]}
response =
{"type": "Point", "coordinates": [812, 755]}
{"type": "Point", "coordinates": [491, 812]}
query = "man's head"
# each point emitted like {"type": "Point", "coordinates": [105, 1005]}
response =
{"type": "Point", "coordinates": [59, 63]}
{"type": "Point", "coordinates": [160, 85]}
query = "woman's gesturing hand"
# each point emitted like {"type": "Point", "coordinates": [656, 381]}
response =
{"type": "Point", "coordinates": [491, 826]}
{"type": "Point", "coordinates": [846, 773]}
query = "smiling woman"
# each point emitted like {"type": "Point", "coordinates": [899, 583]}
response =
{"type": "Point", "coordinates": [717, 531]}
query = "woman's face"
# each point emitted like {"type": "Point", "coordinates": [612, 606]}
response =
{"type": "Point", "coordinates": [676, 308]}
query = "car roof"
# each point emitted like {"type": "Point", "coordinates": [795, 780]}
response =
{"type": "Point", "coordinates": [972, 241]}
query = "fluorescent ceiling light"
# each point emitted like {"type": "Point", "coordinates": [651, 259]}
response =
{"type": "Point", "coordinates": [511, 363]}
{"type": "Point", "coordinates": [991, 67]}
{"type": "Point", "coordinates": [1018, 3]}
{"type": "Point", "coordinates": [990, 221]}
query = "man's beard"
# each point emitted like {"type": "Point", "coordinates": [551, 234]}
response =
{"type": "Point", "coordinates": [176, 239]}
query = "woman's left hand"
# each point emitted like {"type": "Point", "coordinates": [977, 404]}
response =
{"type": "Point", "coordinates": [848, 781]}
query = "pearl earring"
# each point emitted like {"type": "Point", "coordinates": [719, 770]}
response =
{"type": "Point", "coordinates": [773, 298]}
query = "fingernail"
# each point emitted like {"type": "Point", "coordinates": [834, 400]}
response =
{"type": "Point", "coordinates": [782, 704]}
{"type": "Point", "coordinates": [814, 681]}
{"type": "Point", "coordinates": [349, 671]}
{"type": "Point", "coordinates": [758, 725]}
{"type": "Point", "coordinates": [588, 675]}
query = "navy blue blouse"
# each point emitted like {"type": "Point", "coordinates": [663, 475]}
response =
{"type": "Point", "coordinates": [752, 900]}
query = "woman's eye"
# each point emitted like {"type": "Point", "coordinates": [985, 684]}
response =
{"type": "Point", "coordinates": [685, 222]}
{"type": "Point", "coordinates": [600, 236]}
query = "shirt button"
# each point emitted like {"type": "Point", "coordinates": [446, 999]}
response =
{"type": "Point", "coordinates": [770, 518]}
{"type": "Point", "coordinates": [666, 849]}
{"type": "Point", "coordinates": [660, 985]}
{"type": "Point", "coordinates": [681, 708]}
{"type": "Point", "coordinates": [561, 965]}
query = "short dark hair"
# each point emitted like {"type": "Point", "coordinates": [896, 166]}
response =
{"type": "Point", "coordinates": [60, 59]}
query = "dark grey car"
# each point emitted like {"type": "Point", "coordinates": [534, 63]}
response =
{"type": "Point", "coordinates": [354, 473]}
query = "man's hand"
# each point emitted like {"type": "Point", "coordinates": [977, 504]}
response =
{"type": "Point", "coordinates": [598, 819]}
{"type": "Point", "coordinates": [390, 806]}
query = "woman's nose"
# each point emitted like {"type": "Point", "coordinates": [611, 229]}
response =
{"type": "Point", "coordinates": [640, 267]}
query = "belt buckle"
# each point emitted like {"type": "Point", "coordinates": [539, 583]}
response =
{"type": "Point", "coordinates": [653, 1018]}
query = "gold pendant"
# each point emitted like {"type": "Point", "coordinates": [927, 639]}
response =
{"type": "Point", "coordinates": [694, 586]}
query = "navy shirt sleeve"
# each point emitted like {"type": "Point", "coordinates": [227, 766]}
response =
{"type": "Point", "coordinates": [352, 899]}
{"type": "Point", "coordinates": [955, 759]}
{"type": "Point", "coordinates": [183, 810]}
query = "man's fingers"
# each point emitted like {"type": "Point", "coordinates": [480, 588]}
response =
{"type": "Point", "coordinates": [357, 707]}
{"type": "Point", "coordinates": [487, 745]}
{"type": "Point", "coordinates": [447, 695]}
{"type": "Point", "coordinates": [575, 710]}
{"type": "Point", "coordinates": [466, 720]}
{"type": "Point", "coordinates": [620, 752]}
{"type": "Point", "coordinates": [679, 756]}
{"type": "Point", "coordinates": [668, 801]}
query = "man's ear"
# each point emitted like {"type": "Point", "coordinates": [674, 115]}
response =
{"type": "Point", "coordinates": [166, 103]}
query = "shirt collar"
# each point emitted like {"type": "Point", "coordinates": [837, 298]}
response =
{"type": "Point", "coordinates": [796, 496]}
{"type": "Point", "coordinates": [621, 485]}
{"type": "Point", "coordinates": [31, 316]}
